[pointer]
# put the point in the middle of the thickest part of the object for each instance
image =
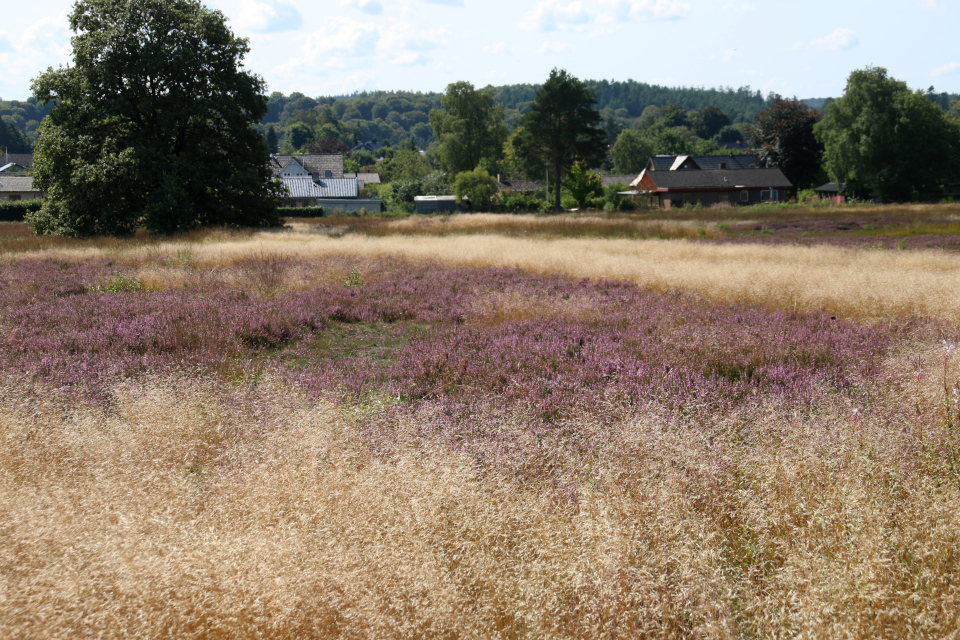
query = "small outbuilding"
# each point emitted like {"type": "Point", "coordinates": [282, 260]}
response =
{"type": "Point", "coordinates": [436, 204]}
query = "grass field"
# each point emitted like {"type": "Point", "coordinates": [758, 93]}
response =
{"type": "Point", "coordinates": [485, 426]}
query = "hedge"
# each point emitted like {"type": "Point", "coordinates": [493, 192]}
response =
{"type": "Point", "coordinates": [15, 211]}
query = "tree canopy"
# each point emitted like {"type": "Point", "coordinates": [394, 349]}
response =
{"type": "Point", "coordinates": [470, 128]}
{"type": "Point", "coordinates": [884, 140]}
{"type": "Point", "coordinates": [152, 124]}
{"type": "Point", "coordinates": [562, 127]}
{"type": "Point", "coordinates": [785, 139]}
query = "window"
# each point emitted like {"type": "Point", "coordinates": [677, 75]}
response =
{"type": "Point", "coordinates": [327, 174]}
{"type": "Point", "coordinates": [769, 195]}
{"type": "Point", "coordinates": [744, 196]}
{"type": "Point", "coordinates": [723, 197]}
{"type": "Point", "coordinates": [723, 165]}
{"type": "Point", "coordinates": [14, 197]}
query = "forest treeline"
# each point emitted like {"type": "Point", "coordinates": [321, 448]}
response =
{"type": "Point", "coordinates": [389, 118]}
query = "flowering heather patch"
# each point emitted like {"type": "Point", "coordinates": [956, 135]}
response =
{"type": "Point", "coordinates": [542, 342]}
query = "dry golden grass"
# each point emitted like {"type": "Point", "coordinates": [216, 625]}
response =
{"type": "Point", "coordinates": [855, 283]}
{"type": "Point", "coordinates": [173, 515]}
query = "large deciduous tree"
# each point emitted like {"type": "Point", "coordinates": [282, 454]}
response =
{"type": "Point", "coordinates": [784, 136]}
{"type": "Point", "coordinates": [153, 124]}
{"type": "Point", "coordinates": [562, 127]}
{"type": "Point", "coordinates": [631, 152]}
{"type": "Point", "coordinates": [470, 128]}
{"type": "Point", "coordinates": [886, 141]}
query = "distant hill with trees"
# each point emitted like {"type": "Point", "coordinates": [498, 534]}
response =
{"type": "Point", "coordinates": [391, 117]}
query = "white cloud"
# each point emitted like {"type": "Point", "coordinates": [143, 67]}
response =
{"type": "Point", "coordinates": [448, 3]}
{"type": "Point", "coordinates": [950, 67]}
{"type": "Point", "coordinates": [647, 9]}
{"type": "Point", "coordinates": [48, 36]}
{"type": "Point", "coordinates": [741, 6]}
{"type": "Point", "coordinates": [340, 36]}
{"type": "Point", "coordinates": [840, 40]}
{"type": "Point", "coordinates": [5, 44]}
{"type": "Point", "coordinates": [934, 5]}
{"type": "Point", "coordinates": [554, 47]}
{"type": "Point", "coordinates": [561, 15]}
{"type": "Point", "coordinates": [409, 59]}
{"type": "Point", "coordinates": [268, 16]}
{"type": "Point", "coordinates": [371, 7]}
{"type": "Point", "coordinates": [496, 48]}
{"type": "Point", "coordinates": [404, 36]}
{"type": "Point", "coordinates": [551, 15]}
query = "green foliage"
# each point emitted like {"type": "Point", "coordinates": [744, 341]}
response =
{"type": "Point", "coordinates": [882, 139]}
{"type": "Point", "coordinates": [507, 202]}
{"type": "Point", "coordinates": [436, 184]}
{"type": "Point", "coordinates": [709, 121]}
{"type": "Point", "coordinates": [12, 138]}
{"type": "Point", "coordinates": [302, 212]}
{"type": "Point", "coordinates": [119, 283]}
{"type": "Point", "coordinates": [16, 211]}
{"type": "Point", "coordinates": [354, 279]}
{"type": "Point", "coordinates": [631, 152]}
{"type": "Point", "coordinates": [152, 125]}
{"type": "Point", "coordinates": [477, 186]}
{"type": "Point", "coordinates": [784, 135]}
{"type": "Point", "coordinates": [407, 164]}
{"type": "Point", "coordinates": [469, 126]}
{"type": "Point", "coordinates": [562, 127]}
{"type": "Point", "coordinates": [298, 134]}
{"type": "Point", "coordinates": [582, 184]}
{"type": "Point", "coordinates": [271, 139]}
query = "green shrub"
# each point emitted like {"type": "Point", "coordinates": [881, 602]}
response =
{"type": "Point", "coordinates": [568, 202]}
{"type": "Point", "coordinates": [119, 283]}
{"type": "Point", "coordinates": [478, 187]}
{"type": "Point", "coordinates": [16, 211]}
{"type": "Point", "coordinates": [302, 212]}
{"type": "Point", "coordinates": [508, 202]}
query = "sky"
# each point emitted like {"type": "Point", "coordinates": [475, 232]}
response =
{"type": "Point", "coordinates": [335, 47]}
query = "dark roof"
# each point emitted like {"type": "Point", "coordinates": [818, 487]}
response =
{"type": "Point", "coordinates": [519, 186]}
{"type": "Point", "coordinates": [369, 145]}
{"type": "Point", "coordinates": [606, 181]}
{"type": "Point", "coordinates": [324, 188]}
{"type": "Point", "coordinates": [831, 187]}
{"type": "Point", "coordinates": [17, 184]}
{"type": "Point", "coordinates": [364, 178]}
{"type": "Point", "coordinates": [664, 163]}
{"type": "Point", "coordinates": [22, 159]}
{"type": "Point", "coordinates": [317, 163]}
{"type": "Point", "coordinates": [720, 179]}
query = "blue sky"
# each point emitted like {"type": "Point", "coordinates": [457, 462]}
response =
{"type": "Point", "coordinates": [339, 46]}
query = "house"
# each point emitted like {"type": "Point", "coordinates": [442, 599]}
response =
{"type": "Point", "coordinates": [369, 145]}
{"type": "Point", "coordinates": [836, 194]}
{"type": "Point", "coordinates": [518, 186]}
{"type": "Point", "coordinates": [693, 163]}
{"type": "Point", "coordinates": [669, 189]}
{"type": "Point", "coordinates": [20, 161]}
{"type": "Point", "coordinates": [435, 204]}
{"type": "Point", "coordinates": [364, 178]}
{"type": "Point", "coordinates": [17, 188]}
{"type": "Point", "coordinates": [318, 165]}
{"type": "Point", "coordinates": [609, 181]}
{"type": "Point", "coordinates": [318, 180]}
